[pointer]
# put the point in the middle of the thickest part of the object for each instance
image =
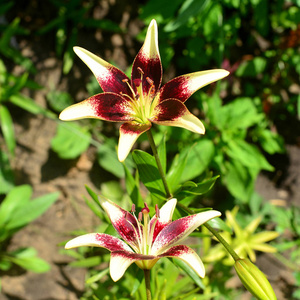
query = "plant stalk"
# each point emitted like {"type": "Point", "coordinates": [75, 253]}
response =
{"type": "Point", "coordinates": [185, 208]}
{"type": "Point", "coordinates": [147, 283]}
{"type": "Point", "coordinates": [159, 166]}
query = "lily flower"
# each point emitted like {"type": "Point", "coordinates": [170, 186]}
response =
{"type": "Point", "coordinates": [140, 102]}
{"type": "Point", "coordinates": [147, 240]}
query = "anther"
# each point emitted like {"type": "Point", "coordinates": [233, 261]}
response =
{"type": "Point", "coordinates": [150, 81]}
{"type": "Point", "coordinates": [125, 80]}
{"type": "Point", "coordinates": [140, 70]}
{"type": "Point", "coordinates": [133, 208]}
{"type": "Point", "coordinates": [140, 216]}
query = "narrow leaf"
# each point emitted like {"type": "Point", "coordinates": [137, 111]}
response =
{"type": "Point", "coordinates": [30, 211]}
{"type": "Point", "coordinates": [7, 127]}
{"type": "Point", "coordinates": [149, 174]}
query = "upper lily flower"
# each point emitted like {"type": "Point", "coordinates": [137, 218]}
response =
{"type": "Point", "coordinates": [141, 101]}
{"type": "Point", "coordinates": [147, 240]}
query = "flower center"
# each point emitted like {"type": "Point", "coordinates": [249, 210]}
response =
{"type": "Point", "coordinates": [145, 229]}
{"type": "Point", "coordinates": [141, 103]}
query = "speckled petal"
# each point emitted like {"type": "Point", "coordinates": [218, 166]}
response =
{"type": "Point", "coordinates": [124, 223]}
{"type": "Point", "coordinates": [110, 78]}
{"type": "Point", "coordinates": [105, 106]}
{"type": "Point", "coordinates": [166, 213]}
{"type": "Point", "coordinates": [148, 60]}
{"type": "Point", "coordinates": [188, 255]}
{"type": "Point", "coordinates": [173, 112]}
{"type": "Point", "coordinates": [102, 240]}
{"type": "Point", "coordinates": [179, 229]}
{"type": "Point", "coordinates": [120, 261]}
{"type": "Point", "coordinates": [182, 87]}
{"type": "Point", "coordinates": [129, 133]}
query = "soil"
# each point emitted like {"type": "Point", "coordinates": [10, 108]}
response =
{"type": "Point", "coordinates": [36, 164]}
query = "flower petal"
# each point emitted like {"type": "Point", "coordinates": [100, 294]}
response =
{"type": "Point", "coordinates": [110, 78]}
{"type": "Point", "coordinates": [184, 86]}
{"type": "Point", "coordinates": [189, 256]}
{"type": "Point", "coordinates": [106, 106]}
{"type": "Point", "coordinates": [129, 133]}
{"type": "Point", "coordinates": [103, 240]}
{"type": "Point", "coordinates": [173, 112]}
{"type": "Point", "coordinates": [166, 213]}
{"type": "Point", "coordinates": [124, 223]}
{"type": "Point", "coordinates": [179, 229]}
{"type": "Point", "coordinates": [121, 260]}
{"type": "Point", "coordinates": [148, 60]}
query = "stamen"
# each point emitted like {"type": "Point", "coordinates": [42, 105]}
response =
{"type": "Point", "coordinates": [140, 70]}
{"type": "Point", "coordinates": [131, 89]}
{"type": "Point", "coordinates": [133, 208]}
{"type": "Point", "coordinates": [150, 81]}
{"type": "Point", "coordinates": [137, 233]}
{"type": "Point", "coordinates": [140, 217]}
{"type": "Point", "coordinates": [157, 212]}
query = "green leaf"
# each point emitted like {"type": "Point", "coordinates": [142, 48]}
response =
{"type": "Point", "coordinates": [199, 188]}
{"type": "Point", "coordinates": [199, 157]}
{"type": "Point", "coordinates": [271, 141]}
{"type": "Point", "coordinates": [252, 68]}
{"type": "Point", "coordinates": [97, 277]}
{"type": "Point", "coordinates": [30, 211]}
{"type": "Point", "coordinates": [132, 188]}
{"type": "Point", "coordinates": [4, 8]}
{"type": "Point", "coordinates": [175, 173]}
{"type": "Point", "coordinates": [58, 100]}
{"type": "Point", "coordinates": [87, 262]}
{"type": "Point", "coordinates": [93, 195]}
{"type": "Point", "coordinates": [29, 105]}
{"type": "Point", "coordinates": [34, 264]}
{"type": "Point", "coordinates": [248, 155]}
{"type": "Point", "coordinates": [71, 140]}
{"type": "Point", "coordinates": [6, 174]}
{"type": "Point", "coordinates": [218, 223]}
{"type": "Point", "coordinates": [112, 190]}
{"type": "Point", "coordinates": [211, 26]}
{"type": "Point", "coordinates": [5, 266]}
{"type": "Point", "coordinates": [17, 197]}
{"type": "Point", "coordinates": [7, 127]}
{"type": "Point", "coordinates": [189, 9]}
{"type": "Point", "coordinates": [239, 114]}
{"type": "Point", "coordinates": [239, 180]}
{"type": "Point", "coordinates": [149, 174]}
{"type": "Point", "coordinates": [189, 271]}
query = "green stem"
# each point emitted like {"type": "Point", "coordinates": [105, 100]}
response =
{"type": "Point", "coordinates": [147, 283]}
{"type": "Point", "coordinates": [185, 208]}
{"type": "Point", "coordinates": [214, 232]}
{"type": "Point", "coordinates": [159, 166]}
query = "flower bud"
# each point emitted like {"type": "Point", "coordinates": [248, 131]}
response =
{"type": "Point", "coordinates": [254, 280]}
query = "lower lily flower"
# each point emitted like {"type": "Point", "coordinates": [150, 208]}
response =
{"type": "Point", "coordinates": [139, 102]}
{"type": "Point", "coordinates": [147, 240]}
